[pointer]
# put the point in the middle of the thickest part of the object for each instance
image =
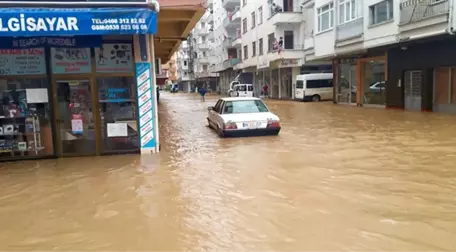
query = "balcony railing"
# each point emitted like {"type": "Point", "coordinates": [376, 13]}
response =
{"type": "Point", "coordinates": [351, 29]}
{"type": "Point", "coordinates": [286, 47]}
{"type": "Point", "coordinates": [233, 19]}
{"type": "Point", "coordinates": [417, 10]}
{"type": "Point", "coordinates": [227, 43]}
{"type": "Point", "coordinates": [231, 4]}
{"type": "Point", "coordinates": [231, 62]}
{"type": "Point", "coordinates": [276, 10]}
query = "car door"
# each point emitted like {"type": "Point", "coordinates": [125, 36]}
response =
{"type": "Point", "coordinates": [218, 114]}
{"type": "Point", "coordinates": [249, 92]}
{"type": "Point", "coordinates": [213, 113]}
{"type": "Point", "coordinates": [242, 90]}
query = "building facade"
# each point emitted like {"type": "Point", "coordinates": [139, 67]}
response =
{"type": "Point", "coordinates": [388, 53]}
{"type": "Point", "coordinates": [194, 56]}
{"type": "Point", "coordinates": [264, 43]}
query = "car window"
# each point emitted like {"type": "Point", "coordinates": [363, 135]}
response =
{"type": "Point", "coordinates": [299, 84]}
{"type": "Point", "coordinates": [250, 88]}
{"type": "Point", "coordinates": [236, 88]}
{"type": "Point", "coordinates": [381, 85]}
{"type": "Point", "coordinates": [217, 106]}
{"type": "Point", "coordinates": [247, 106]}
{"type": "Point", "coordinates": [319, 83]}
{"type": "Point", "coordinates": [242, 88]}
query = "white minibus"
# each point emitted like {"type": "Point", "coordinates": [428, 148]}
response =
{"type": "Point", "coordinates": [314, 87]}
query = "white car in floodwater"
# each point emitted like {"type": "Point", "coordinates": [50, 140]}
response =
{"type": "Point", "coordinates": [242, 116]}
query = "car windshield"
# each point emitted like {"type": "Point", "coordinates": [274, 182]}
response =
{"type": "Point", "coordinates": [247, 106]}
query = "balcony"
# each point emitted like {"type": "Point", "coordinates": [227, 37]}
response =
{"type": "Point", "coordinates": [227, 43]}
{"type": "Point", "coordinates": [203, 46]}
{"type": "Point", "coordinates": [204, 60]}
{"type": "Point", "coordinates": [349, 30]}
{"type": "Point", "coordinates": [233, 20]}
{"type": "Point", "coordinates": [231, 62]}
{"type": "Point", "coordinates": [237, 43]}
{"type": "Point", "coordinates": [289, 52]}
{"type": "Point", "coordinates": [412, 11]}
{"type": "Point", "coordinates": [203, 74]}
{"type": "Point", "coordinates": [202, 31]}
{"type": "Point", "coordinates": [231, 4]}
{"type": "Point", "coordinates": [286, 16]}
{"type": "Point", "coordinates": [208, 17]}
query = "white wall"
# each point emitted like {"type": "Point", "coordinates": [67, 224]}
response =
{"type": "Point", "coordinates": [217, 51]}
{"type": "Point", "coordinates": [380, 34]}
{"type": "Point", "coordinates": [324, 42]}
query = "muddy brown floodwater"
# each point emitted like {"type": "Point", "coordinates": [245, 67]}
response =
{"type": "Point", "coordinates": [336, 178]}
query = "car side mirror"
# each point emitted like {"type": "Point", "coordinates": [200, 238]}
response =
{"type": "Point", "coordinates": [210, 108]}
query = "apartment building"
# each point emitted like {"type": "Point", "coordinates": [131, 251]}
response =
{"type": "Point", "coordinates": [273, 35]}
{"type": "Point", "coordinates": [194, 55]}
{"type": "Point", "coordinates": [226, 50]}
{"type": "Point", "coordinates": [185, 67]}
{"type": "Point", "coordinates": [388, 53]}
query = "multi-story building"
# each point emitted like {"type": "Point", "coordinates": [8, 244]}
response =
{"type": "Point", "coordinates": [226, 50]}
{"type": "Point", "coordinates": [194, 55]}
{"type": "Point", "coordinates": [265, 25]}
{"type": "Point", "coordinates": [389, 53]}
{"type": "Point", "coordinates": [185, 66]}
{"type": "Point", "coordinates": [248, 41]}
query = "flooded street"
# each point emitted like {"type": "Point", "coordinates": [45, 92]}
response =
{"type": "Point", "coordinates": [336, 178]}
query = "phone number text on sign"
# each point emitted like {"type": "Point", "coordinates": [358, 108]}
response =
{"type": "Point", "coordinates": [119, 24]}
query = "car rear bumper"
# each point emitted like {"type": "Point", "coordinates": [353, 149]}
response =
{"type": "Point", "coordinates": [252, 132]}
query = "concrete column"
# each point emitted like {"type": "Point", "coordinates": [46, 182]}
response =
{"type": "Point", "coordinates": [279, 77]}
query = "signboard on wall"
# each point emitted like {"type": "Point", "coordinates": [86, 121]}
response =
{"type": "Point", "coordinates": [22, 61]}
{"type": "Point", "coordinates": [17, 22]}
{"type": "Point", "coordinates": [70, 60]}
{"type": "Point", "coordinates": [146, 105]}
{"type": "Point", "coordinates": [289, 63]}
{"type": "Point", "coordinates": [51, 41]}
{"type": "Point", "coordinates": [114, 58]}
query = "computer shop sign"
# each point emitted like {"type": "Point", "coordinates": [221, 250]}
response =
{"type": "Point", "coordinates": [76, 21]}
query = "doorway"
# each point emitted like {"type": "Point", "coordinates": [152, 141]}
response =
{"type": "Point", "coordinates": [75, 118]}
{"type": "Point", "coordinates": [412, 90]}
{"type": "Point", "coordinates": [346, 91]}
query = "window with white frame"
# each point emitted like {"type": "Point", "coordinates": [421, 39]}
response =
{"type": "Point", "coordinates": [260, 15]}
{"type": "Point", "coordinates": [253, 20]}
{"type": "Point", "coordinates": [381, 12]}
{"type": "Point", "coordinates": [244, 25]}
{"type": "Point", "coordinates": [347, 10]}
{"type": "Point", "coordinates": [325, 17]}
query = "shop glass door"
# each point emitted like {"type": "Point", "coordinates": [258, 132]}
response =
{"type": "Point", "coordinates": [75, 120]}
{"type": "Point", "coordinates": [347, 84]}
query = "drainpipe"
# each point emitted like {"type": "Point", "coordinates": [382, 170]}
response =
{"type": "Point", "coordinates": [450, 18]}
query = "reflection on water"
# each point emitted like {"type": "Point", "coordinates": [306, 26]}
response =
{"type": "Point", "coordinates": [337, 178]}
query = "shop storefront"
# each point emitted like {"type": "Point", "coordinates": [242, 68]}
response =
{"type": "Point", "coordinates": [423, 75]}
{"type": "Point", "coordinates": [361, 81]}
{"type": "Point", "coordinates": [76, 82]}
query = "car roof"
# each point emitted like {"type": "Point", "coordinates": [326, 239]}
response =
{"type": "Point", "coordinates": [240, 98]}
{"type": "Point", "coordinates": [243, 84]}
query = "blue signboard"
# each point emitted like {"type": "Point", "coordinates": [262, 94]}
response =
{"type": "Point", "coordinates": [27, 22]}
{"type": "Point", "coordinates": [51, 41]}
{"type": "Point", "coordinates": [146, 105]}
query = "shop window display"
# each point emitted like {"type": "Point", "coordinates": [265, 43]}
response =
{"type": "Point", "coordinates": [25, 125]}
{"type": "Point", "coordinates": [118, 113]}
{"type": "Point", "coordinates": [374, 85]}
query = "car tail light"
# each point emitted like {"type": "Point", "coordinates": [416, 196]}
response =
{"type": "Point", "coordinates": [230, 125]}
{"type": "Point", "coordinates": [273, 124]}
